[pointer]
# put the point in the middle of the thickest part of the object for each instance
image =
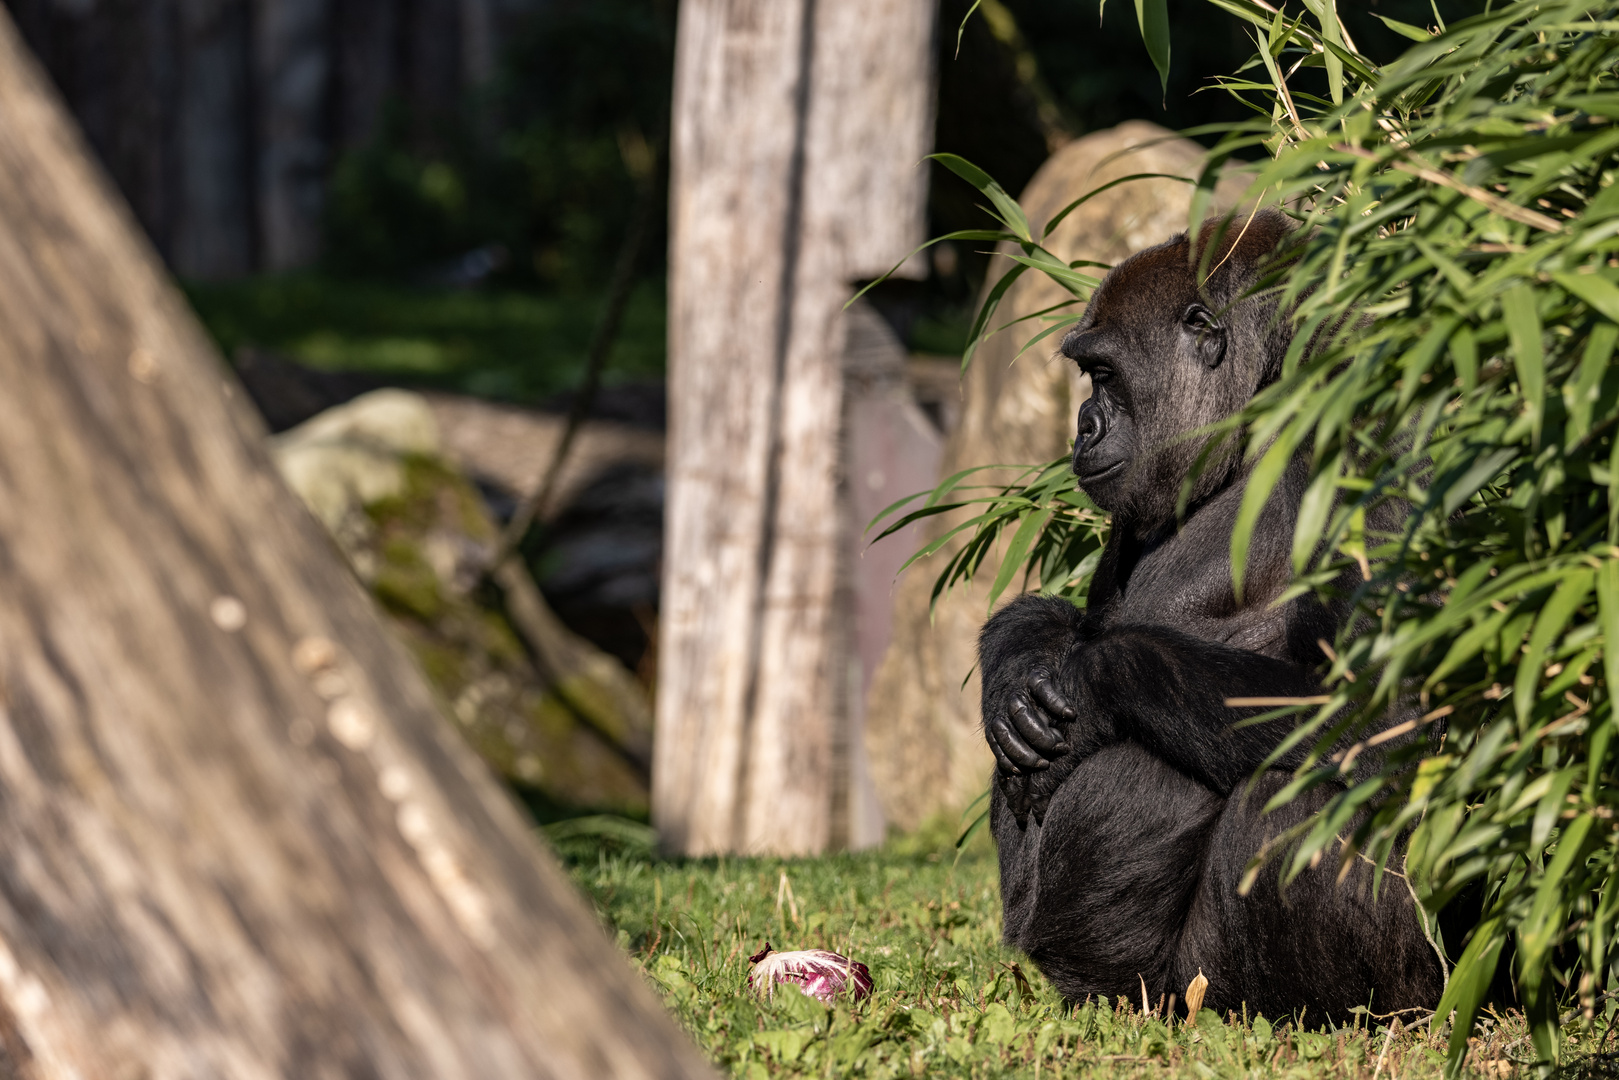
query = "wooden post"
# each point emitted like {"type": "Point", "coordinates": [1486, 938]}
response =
{"type": "Point", "coordinates": [798, 128]}
{"type": "Point", "coordinates": [237, 839]}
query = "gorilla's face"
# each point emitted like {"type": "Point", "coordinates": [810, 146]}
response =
{"type": "Point", "coordinates": [1166, 358]}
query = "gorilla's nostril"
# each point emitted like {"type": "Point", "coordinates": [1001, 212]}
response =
{"type": "Point", "coordinates": [1091, 426]}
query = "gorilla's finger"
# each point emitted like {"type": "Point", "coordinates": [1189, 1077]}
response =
{"type": "Point", "coordinates": [1011, 743]}
{"type": "Point", "coordinates": [1049, 697]}
{"type": "Point", "coordinates": [1038, 805]}
{"type": "Point", "coordinates": [1034, 727]}
{"type": "Point", "coordinates": [1003, 764]}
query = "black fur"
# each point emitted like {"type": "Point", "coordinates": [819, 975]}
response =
{"type": "Point", "coordinates": [1121, 806]}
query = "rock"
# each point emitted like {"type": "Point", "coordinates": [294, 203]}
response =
{"type": "Point", "coordinates": [598, 550]}
{"type": "Point", "coordinates": [891, 448]}
{"type": "Point", "coordinates": [598, 562]}
{"type": "Point", "coordinates": [546, 708]}
{"type": "Point", "coordinates": [508, 448]}
{"type": "Point", "coordinates": [923, 730]}
{"type": "Point", "coordinates": [353, 455]}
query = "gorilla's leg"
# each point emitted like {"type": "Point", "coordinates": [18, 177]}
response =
{"type": "Point", "coordinates": [1097, 895]}
{"type": "Point", "coordinates": [1324, 945]}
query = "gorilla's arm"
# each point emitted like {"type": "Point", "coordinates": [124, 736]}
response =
{"type": "Point", "coordinates": [1055, 689]}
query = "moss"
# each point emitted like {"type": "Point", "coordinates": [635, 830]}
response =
{"type": "Point", "coordinates": [552, 717]}
{"type": "Point", "coordinates": [502, 641]}
{"type": "Point", "coordinates": [595, 702]}
{"type": "Point", "coordinates": [444, 665]}
{"type": "Point", "coordinates": [405, 583]}
{"type": "Point", "coordinates": [475, 659]}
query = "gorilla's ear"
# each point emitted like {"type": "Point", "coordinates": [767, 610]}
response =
{"type": "Point", "coordinates": [1207, 333]}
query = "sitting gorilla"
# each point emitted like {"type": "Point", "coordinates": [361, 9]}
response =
{"type": "Point", "coordinates": [1121, 808]}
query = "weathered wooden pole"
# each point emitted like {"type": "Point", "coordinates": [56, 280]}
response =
{"type": "Point", "coordinates": [236, 837]}
{"type": "Point", "coordinates": [798, 129]}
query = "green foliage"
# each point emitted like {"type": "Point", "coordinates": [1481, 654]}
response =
{"type": "Point", "coordinates": [1056, 532]}
{"type": "Point", "coordinates": [949, 999]}
{"type": "Point", "coordinates": [544, 161]}
{"type": "Point", "coordinates": [1458, 272]}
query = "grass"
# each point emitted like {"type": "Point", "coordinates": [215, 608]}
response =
{"type": "Point", "coordinates": [949, 999]}
{"type": "Point", "coordinates": [510, 345]}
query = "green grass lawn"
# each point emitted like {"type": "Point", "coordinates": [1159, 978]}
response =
{"type": "Point", "coordinates": [510, 345]}
{"type": "Point", "coordinates": [949, 1001]}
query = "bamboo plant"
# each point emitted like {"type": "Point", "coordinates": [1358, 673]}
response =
{"type": "Point", "coordinates": [1458, 273]}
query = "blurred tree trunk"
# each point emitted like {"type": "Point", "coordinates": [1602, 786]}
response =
{"type": "Point", "coordinates": [798, 125]}
{"type": "Point", "coordinates": [366, 58]}
{"type": "Point", "coordinates": [293, 63]}
{"type": "Point", "coordinates": [236, 837]}
{"type": "Point", "coordinates": [213, 235]}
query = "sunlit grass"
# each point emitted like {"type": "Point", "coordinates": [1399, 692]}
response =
{"type": "Point", "coordinates": [508, 344]}
{"type": "Point", "coordinates": [949, 999]}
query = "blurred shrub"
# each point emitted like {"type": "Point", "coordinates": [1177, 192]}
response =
{"type": "Point", "coordinates": [539, 170]}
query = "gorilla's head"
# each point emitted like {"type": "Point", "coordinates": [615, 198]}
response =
{"type": "Point", "coordinates": [1167, 357]}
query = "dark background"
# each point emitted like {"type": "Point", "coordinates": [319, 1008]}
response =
{"type": "Point", "coordinates": [435, 191]}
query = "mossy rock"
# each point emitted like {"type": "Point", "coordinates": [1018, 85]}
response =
{"type": "Point", "coordinates": [421, 544]}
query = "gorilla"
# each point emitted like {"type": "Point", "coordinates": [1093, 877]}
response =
{"type": "Point", "coordinates": [1122, 808]}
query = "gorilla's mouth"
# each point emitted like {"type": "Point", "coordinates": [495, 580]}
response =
{"type": "Point", "coordinates": [1101, 474]}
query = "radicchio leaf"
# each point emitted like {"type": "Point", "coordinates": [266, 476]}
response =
{"type": "Point", "coordinates": [818, 973]}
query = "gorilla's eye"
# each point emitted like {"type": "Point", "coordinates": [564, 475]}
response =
{"type": "Point", "coordinates": [1200, 319]}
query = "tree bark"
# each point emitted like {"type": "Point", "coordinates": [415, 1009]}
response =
{"type": "Point", "coordinates": [236, 837]}
{"type": "Point", "coordinates": [798, 125]}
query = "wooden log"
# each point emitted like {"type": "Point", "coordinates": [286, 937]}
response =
{"type": "Point", "coordinates": [798, 125]}
{"type": "Point", "coordinates": [237, 839]}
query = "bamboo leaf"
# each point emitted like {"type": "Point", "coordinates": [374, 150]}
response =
{"type": "Point", "coordinates": [961, 234]}
{"type": "Point", "coordinates": [1058, 217]}
{"type": "Point", "coordinates": [1075, 282]}
{"type": "Point", "coordinates": [1314, 509]}
{"type": "Point", "coordinates": [1029, 528]}
{"type": "Point", "coordinates": [1469, 982]}
{"type": "Point", "coordinates": [987, 311]}
{"type": "Point", "coordinates": [1153, 18]}
{"type": "Point", "coordinates": [1594, 289]}
{"type": "Point", "coordinates": [1009, 213]}
{"type": "Point", "coordinates": [1549, 624]}
{"type": "Point", "coordinates": [1406, 30]}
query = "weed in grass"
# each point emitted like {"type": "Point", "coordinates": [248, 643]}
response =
{"type": "Point", "coordinates": [949, 1000]}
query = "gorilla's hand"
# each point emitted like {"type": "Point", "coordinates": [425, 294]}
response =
{"type": "Point", "coordinates": [1025, 737]}
{"type": "Point", "coordinates": [1027, 722]}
